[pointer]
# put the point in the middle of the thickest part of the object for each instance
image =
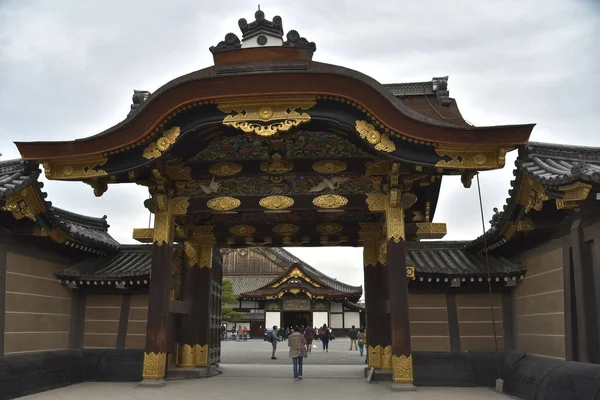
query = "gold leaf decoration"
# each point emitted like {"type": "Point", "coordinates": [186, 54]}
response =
{"type": "Point", "coordinates": [330, 201]}
{"type": "Point", "coordinates": [474, 159]}
{"type": "Point", "coordinates": [376, 202]}
{"type": "Point", "coordinates": [329, 229]}
{"type": "Point", "coordinates": [286, 229]}
{"type": "Point", "coordinates": [381, 141]}
{"type": "Point", "coordinates": [224, 203]}
{"type": "Point", "coordinates": [23, 204]}
{"type": "Point", "coordinates": [179, 205]}
{"type": "Point", "coordinates": [242, 230]}
{"type": "Point", "coordinates": [402, 369]}
{"type": "Point", "coordinates": [201, 355]}
{"type": "Point", "coordinates": [225, 169]}
{"type": "Point", "coordinates": [329, 166]}
{"type": "Point", "coordinates": [374, 356]}
{"type": "Point", "coordinates": [162, 144]}
{"type": "Point", "coordinates": [266, 116]}
{"type": "Point", "coordinates": [154, 366]}
{"type": "Point", "coordinates": [75, 169]}
{"type": "Point", "coordinates": [277, 165]}
{"type": "Point", "coordinates": [185, 356]}
{"type": "Point", "coordinates": [191, 252]}
{"type": "Point", "coordinates": [276, 202]}
{"type": "Point", "coordinates": [163, 228]}
{"type": "Point", "coordinates": [386, 358]}
{"type": "Point", "coordinates": [410, 272]}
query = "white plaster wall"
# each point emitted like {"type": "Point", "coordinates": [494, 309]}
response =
{"type": "Point", "coordinates": [272, 318]}
{"type": "Point", "coordinates": [320, 318]}
{"type": "Point", "coordinates": [335, 321]}
{"type": "Point", "coordinates": [351, 318]}
{"type": "Point", "coordinates": [336, 307]}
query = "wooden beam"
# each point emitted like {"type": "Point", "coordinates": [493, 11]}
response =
{"type": "Point", "coordinates": [77, 323]}
{"type": "Point", "coordinates": [123, 321]}
{"type": "Point", "coordinates": [453, 327]}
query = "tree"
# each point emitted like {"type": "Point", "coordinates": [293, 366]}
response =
{"type": "Point", "coordinates": [228, 299]}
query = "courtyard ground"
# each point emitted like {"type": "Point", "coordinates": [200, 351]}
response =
{"type": "Point", "coordinates": [248, 371]}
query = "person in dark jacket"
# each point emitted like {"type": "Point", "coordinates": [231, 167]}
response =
{"type": "Point", "coordinates": [309, 334]}
{"type": "Point", "coordinates": [352, 335]}
{"type": "Point", "coordinates": [325, 338]}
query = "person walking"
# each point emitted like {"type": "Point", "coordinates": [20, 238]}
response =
{"type": "Point", "coordinates": [360, 336]}
{"type": "Point", "coordinates": [325, 338]}
{"type": "Point", "coordinates": [273, 340]}
{"type": "Point", "coordinates": [353, 333]}
{"type": "Point", "coordinates": [309, 334]}
{"type": "Point", "coordinates": [297, 345]}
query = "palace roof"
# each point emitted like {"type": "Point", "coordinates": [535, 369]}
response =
{"type": "Point", "coordinates": [552, 184]}
{"type": "Point", "coordinates": [21, 194]}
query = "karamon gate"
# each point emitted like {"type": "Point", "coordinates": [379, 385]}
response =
{"type": "Point", "coordinates": [269, 148]}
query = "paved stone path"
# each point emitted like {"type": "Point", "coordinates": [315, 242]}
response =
{"type": "Point", "coordinates": [248, 371]}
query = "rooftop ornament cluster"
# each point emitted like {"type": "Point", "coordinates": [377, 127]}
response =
{"type": "Point", "coordinates": [262, 33]}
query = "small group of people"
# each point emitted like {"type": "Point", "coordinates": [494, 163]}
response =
{"type": "Point", "coordinates": [300, 343]}
{"type": "Point", "coordinates": [239, 334]}
{"type": "Point", "coordinates": [357, 338]}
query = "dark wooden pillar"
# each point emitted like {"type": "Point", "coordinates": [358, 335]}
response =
{"type": "Point", "coordinates": [217, 267]}
{"type": "Point", "coordinates": [190, 323]}
{"type": "Point", "coordinates": [372, 301]}
{"type": "Point", "coordinates": [385, 320]}
{"type": "Point", "coordinates": [402, 366]}
{"type": "Point", "coordinates": [203, 293]}
{"type": "Point", "coordinates": [155, 356]}
{"type": "Point", "coordinates": [453, 328]}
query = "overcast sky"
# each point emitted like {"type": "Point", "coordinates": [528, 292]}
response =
{"type": "Point", "coordinates": [68, 69]}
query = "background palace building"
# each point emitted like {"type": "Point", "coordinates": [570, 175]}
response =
{"type": "Point", "coordinates": [346, 161]}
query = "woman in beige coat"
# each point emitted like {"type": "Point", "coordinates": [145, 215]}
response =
{"type": "Point", "coordinates": [296, 341]}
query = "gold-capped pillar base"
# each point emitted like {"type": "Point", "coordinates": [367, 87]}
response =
{"type": "Point", "coordinates": [402, 369]}
{"type": "Point", "coordinates": [374, 356]}
{"type": "Point", "coordinates": [386, 358]}
{"type": "Point", "coordinates": [201, 355]}
{"type": "Point", "coordinates": [155, 366]}
{"type": "Point", "coordinates": [185, 356]}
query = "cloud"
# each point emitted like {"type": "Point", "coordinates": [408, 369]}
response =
{"type": "Point", "coordinates": [68, 69]}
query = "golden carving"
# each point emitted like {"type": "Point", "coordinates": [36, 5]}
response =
{"type": "Point", "coordinates": [154, 366]}
{"type": "Point", "coordinates": [225, 169]}
{"type": "Point", "coordinates": [242, 230]}
{"type": "Point", "coordinates": [382, 254]}
{"type": "Point", "coordinates": [526, 225]}
{"type": "Point", "coordinates": [460, 158]}
{"type": "Point", "coordinates": [386, 358]}
{"type": "Point", "coordinates": [330, 201]}
{"type": "Point", "coordinates": [370, 254]}
{"type": "Point", "coordinates": [179, 173]}
{"type": "Point", "coordinates": [276, 202]}
{"type": "Point", "coordinates": [24, 204]}
{"type": "Point", "coordinates": [205, 260]}
{"type": "Point", "coordinates": [576, 191]}
{"type": "Point", "coordinates": [329, 166]}
{"type": "Point", "coordinates": [144, 235]}
{"type": "Point", "coordinates": [162, 144]}
{"type": "Point", "coordinates": [76, 168]}
{"type": "Point", "coordinates": [374, 356]}
{"type": "Point", "coordinates": [381, 141]}
{"type": "Point", "coordinates": [191, 251]}
{"type": "Point", "coordinates": [376, 202]}
{"type": "Point", "coordinates": [185, 356]}
{"type": "Point", "coordinates": [163, 228]}
{"type": "Point", "coordinates": [201, 355]}
{"type": "Point", "coordinates": [286, 229]}
{"type": "Point", "coordinates": [55, 234]}
{"type": "Point", "coordinates": [567, 205]}
{"type": "Point", "coordinates": [329, 229]}
{"type": "Point", "coordinates": [224, 203]}
{"type": "Point", "coordinates": [410, 272]}
{"type": "Point", "coordinates": [402, 369]}
{"type": "Point", "coordinates": [394, 223]}
{"type": "Point", "coordinates": [431, 230]}
{"type": "Point", "coordinates": [266, 116]}
{"type": "Point", "coordinates": [381, 167]}
{"type": "Point", "coordinates": [179, 205]}
{"type": "Point", "coordinates": [277, 165]}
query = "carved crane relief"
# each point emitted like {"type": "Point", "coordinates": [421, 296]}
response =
{"type": "Point", "coordinates": [329, 183]}
{"type": "Point", "coordinates": [213, 187]}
